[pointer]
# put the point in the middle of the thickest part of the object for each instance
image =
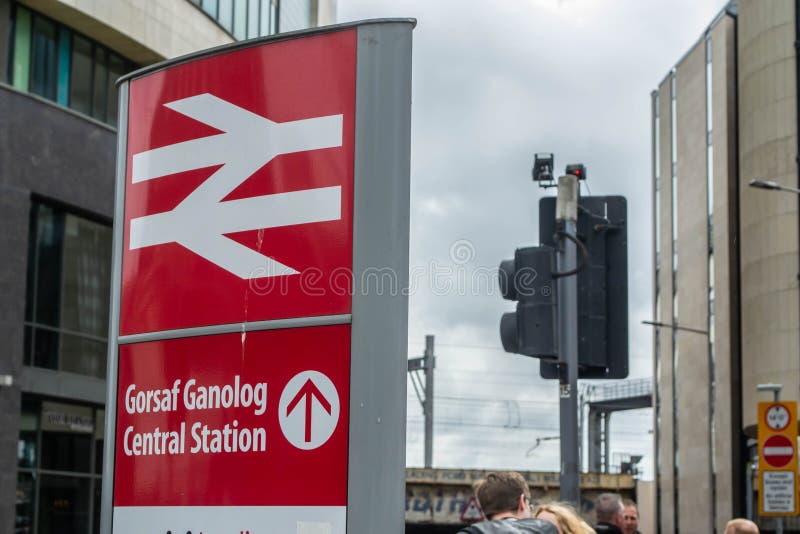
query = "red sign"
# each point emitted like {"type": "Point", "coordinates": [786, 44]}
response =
{"type": "Point", "coordinates": [778, 450]}
{"type": "Point", "coordinates": [239, 187]}
{"type": "Point", "coordinates": [260, 420]}
{"type": "Point", "coordinates": [472, 511]}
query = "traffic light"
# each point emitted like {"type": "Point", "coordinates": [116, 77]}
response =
{"type": "Point", "coordinates": [578, 170]}
{"type": "Point", "coordinates": [542, 167]}
{"type": "Point", "coordinates": [602, 285]}
{"type": "Point", "coordinates": [531, 330]}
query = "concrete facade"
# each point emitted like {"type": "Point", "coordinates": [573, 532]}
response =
{"type": "Point", "coordinates": [691, 360]}
{"type": "Point", "coordinates": [696, 287]}
{"type": "Point", "coordinates": [664, 361]}
{"type": "Point", "coordinates": [769, 220]}
{"type": "Point", "coordinates": [143, 31]}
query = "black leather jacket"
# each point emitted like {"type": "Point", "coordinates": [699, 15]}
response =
{"type": "Point", "coordinates": [511, 526]}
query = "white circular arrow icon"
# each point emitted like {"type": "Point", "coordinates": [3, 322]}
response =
{"type": "Point", "coordinates": [308, 410]}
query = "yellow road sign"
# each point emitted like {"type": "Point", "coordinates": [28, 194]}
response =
{"type": "Point", "coordinates": [777, 458]}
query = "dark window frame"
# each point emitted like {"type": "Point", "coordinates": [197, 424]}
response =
{"type": "Point", "coordinates": [31, 323]}
{"type": "Point", "coordinates": [94, 475]}
{"type": "Point", "coordinates": [129, 66]}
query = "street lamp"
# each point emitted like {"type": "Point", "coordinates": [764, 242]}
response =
{"type": "Point", "coordinates": [774, 186]}
{"type": "Point", "coordinates": [676, 327]}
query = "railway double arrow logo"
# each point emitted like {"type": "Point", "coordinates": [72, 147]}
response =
{"type": "Point", "coordinates": [248, 142]}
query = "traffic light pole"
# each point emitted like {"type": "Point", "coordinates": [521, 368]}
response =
{"type": "Point", "coordinates": [567, 262]}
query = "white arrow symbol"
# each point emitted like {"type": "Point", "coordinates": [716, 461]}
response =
{"type": "Point", "coordinates": [249, 142]}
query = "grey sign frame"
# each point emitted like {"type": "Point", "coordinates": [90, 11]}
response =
{"type": "Point", "coordinates": [379, 315]}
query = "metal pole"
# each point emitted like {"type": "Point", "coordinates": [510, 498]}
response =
{"type": "Point", "coordinates": [566, 259]}
{"type": "Point", "coordinates": [430, 363]}
{"type": "Point", "coordinates": [778, 520]}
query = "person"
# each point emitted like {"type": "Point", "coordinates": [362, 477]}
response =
{"type": "Point", "coordinates": [505, 500]}
{"type": "Point", "coordinates": [630, 517]}
{"type": "Point", "coordinates": [741, 526]}
{"type": "Point", "coordinates": [564, 517]}
{"type": "Point", "coordinates": [608, 512]}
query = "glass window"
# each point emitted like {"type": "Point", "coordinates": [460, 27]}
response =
{"type": "Point", "coordinates": [116, 69]}
{"type": "Point", "coordinates": [273, 17]}
{"type": "Point", "coordinates": [67, 295]}
{"type": "Point", "coordinates": [64, 44]}
{"type": "Point", "coordinates": [50, 60]}
{"type": "Point", "coordinates": [22, 48]}
{"type": "Point", "coordinates": [100, 83]}
{"type": "Point", "coordinates": [80, 93]}
{"type": "Point", "coordinates": [295, 15]}
{"type": "Point", "coordinates": [239, 19]}
{"type": "Point", "coordinates": [28, 426]}
{"type": "Point", "coordinates": [210, 7]}
{"type": "Point", "coordinates": [23, 520]}
{"type": "Point", "coordinates": [99, 434]}
{"type": "Point", "coordinates": [252, 19]}
{"type": "Point", "coordinates": [264, 26]}
{"type": "Point", "coordinates": [44, 58]}
{"type": "Point", "coordinates": [63, 504]}
{"type": "Point", "coordinates": [98, 493]}
{"type": "Point", "coordinates": [60, 491]}
{"type": "Point", "coordinates": [67, 432]}
{"type": "Point", "coordinates": [226, 14]}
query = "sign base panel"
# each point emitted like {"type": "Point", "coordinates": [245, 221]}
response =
{"type": "Point", "coordinates": [230, 519]}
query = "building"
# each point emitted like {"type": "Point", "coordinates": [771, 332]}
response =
{"type": "Point", "coordinates": [59, 60]}
{"type": "Point", "coordinates": [726, 258]}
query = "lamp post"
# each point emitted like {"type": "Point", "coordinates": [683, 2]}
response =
{"type": "Point", "coordinates": [675, 326]}
{"type": "Point", "coordinates": [771, 185]}
{"type": "Point", "coordinates": [775, 388]}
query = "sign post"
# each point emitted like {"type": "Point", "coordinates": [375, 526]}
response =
{"type": "Point", "coordinates": [777, 459]}
{"type": "Point", "coordinates": [258, 333]}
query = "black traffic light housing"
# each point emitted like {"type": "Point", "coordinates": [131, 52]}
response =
{"type": "Point", "coordinates": [602, 285]}
{"type": "Point", "coordinates": [577, 169]}
{"type": "Point", "coordinates": [542, 167]}
{"type": "Point", "coordinates": [531, 330]}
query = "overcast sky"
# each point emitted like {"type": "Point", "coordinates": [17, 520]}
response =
{"type": "Point", "coordinates": [493, 83]}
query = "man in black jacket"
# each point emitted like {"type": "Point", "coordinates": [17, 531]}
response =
{"type": "Point", "coordinates": [608, 510]}
{"type": "Point", "coordinates": [506, 502]}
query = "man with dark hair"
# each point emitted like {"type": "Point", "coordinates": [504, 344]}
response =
{"type": "Point", "coordinates": [630, 517]}
{"type": "Point", "coordinates": [608, 510]}
{"type": "Point", "coordinates": [505, 500]}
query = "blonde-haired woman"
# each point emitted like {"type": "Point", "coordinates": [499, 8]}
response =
{"type": "Point", "coordinates": [564, 517]}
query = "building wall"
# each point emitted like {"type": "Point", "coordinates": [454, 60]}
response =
{"type": "Point", "coordinates": [768, 219]}
{"type": "Point", "coordinates": [145, 31]}
{"type": "Point", "coordinates": [665, 380]}
{"type": "Point", "coordinates": [694, 458]}
{"type": "Point", "coordinates": [61, 155]}
{"type": "Point", "coordinates": [728, 460]}
{"type": "Point", "coordinates": [698, 429]}
{"type": "Point", "coordinates": [645, 501]}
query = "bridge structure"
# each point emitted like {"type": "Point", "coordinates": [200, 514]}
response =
{"type": "Point", "coordinates": [602, 401]}
{"type": "Point", "coordinates": [436, 499]}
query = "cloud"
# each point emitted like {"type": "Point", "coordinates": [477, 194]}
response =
{"type": "Point", "coordinates": [493, 83]}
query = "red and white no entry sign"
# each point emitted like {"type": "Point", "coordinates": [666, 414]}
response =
{"type": "Point", "coordinates": [778, 450]}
